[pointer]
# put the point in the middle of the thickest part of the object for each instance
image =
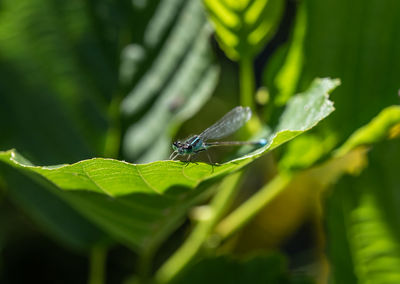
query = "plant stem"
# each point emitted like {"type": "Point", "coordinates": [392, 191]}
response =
{"type": "Point", "coordinates": [144, 266]}
{"type": "Point", "coordinates": [97, 265]}
{"type": "Point", "coordinates": [183, 256]}
{"type": "Point", "coordinates": [246, 82]}
{"type": "Point", "coordinates": [244, 213]}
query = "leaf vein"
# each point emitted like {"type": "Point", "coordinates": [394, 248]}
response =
{"type": "Point", "coordinates": [145, 181]}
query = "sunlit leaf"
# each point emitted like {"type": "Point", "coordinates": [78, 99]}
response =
{"type": "Point", "coordinates": [243, 27]}
{"type": "Point", "coordinates": [305, 151]}
{"type": "Point", "coordinates": [283, 71]}
{"type": "Point", "coordinates": [376, 251]}
{"type": "Point", "coordinates": [139, 204]}
{"type": "Point", "coordinates": [378, 129]}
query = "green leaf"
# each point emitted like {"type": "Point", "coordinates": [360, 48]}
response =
{"type": "Point", "coordinates": [140, 204]}
{"type": "Point", "coordinates": [243, 27]}
{"type": "Point", "coordinates": [378, 129]}
{"type": "Point", "coordinates": [305, 151]}
{"type": "Point", "coordinates": [282, 74]}
{"type": "Point", "coordinates": [375, 248]}
{"type": "Point", "coordinates": [353, 48]}
{"type": "Point", "coordinates": [178, 79]}
{"type": "Point", "coordinates": [310, 108]}
{"type": "Point", "coordinates": [223, 269]}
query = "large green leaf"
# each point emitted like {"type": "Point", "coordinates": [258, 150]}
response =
{"type": "Point", "coordinates": [362, 40]}
{"type": "Point", "coordinates": [140, 204]}
{"type": "Point", "coordinates": [243, 27]}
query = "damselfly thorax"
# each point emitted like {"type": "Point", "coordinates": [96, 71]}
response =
{"type": "Point", "coordinates": [190, 146]}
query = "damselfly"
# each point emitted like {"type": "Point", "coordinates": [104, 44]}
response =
{"type": "Point", "coordinates": [227, 125]}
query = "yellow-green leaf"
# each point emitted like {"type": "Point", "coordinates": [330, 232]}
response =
{"type": "Point", "coordinates": [243, 27]}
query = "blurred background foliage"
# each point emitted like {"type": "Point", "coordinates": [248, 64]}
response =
{"type": "Point", "coordinates": [121, 79]}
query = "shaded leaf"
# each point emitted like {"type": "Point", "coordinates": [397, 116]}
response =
{"type": "Point", "coordinates": [38, 198]}
{"type": "Point", "coordinates": [259, 269]}
{"type": "Point", "coordinates": [332, 49]}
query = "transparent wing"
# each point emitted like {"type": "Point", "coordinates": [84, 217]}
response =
{"type": "Point", "coordinates": [228, 124]}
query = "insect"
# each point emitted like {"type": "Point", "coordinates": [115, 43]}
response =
{"type": "Point", "coordinates": [227, 125]}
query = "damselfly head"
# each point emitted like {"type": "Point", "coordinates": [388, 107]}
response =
{"type": "Point", "coordinates": [176, 145]}
{"type": "Point", "coordinates": [182, 148]}
{"type": "Point", "coordinates": [179, 147]}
